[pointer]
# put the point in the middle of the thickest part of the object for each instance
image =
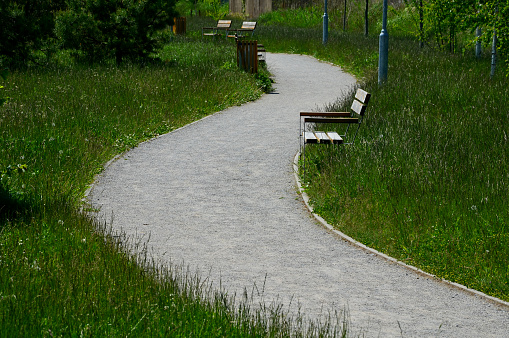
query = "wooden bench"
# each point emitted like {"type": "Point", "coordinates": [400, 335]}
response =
{"type": "Point", "coordinates": [355, 117]}
{"type": "Point", "coordinates": [223, 26]}
{"type": "Point", "coordinates": [246, 28]}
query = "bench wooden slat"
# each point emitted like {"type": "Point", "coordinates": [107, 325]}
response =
{"type": "Point", "coordinates": [309, 137]}
{"type": "Point", "coordinates": [331, 120]}
{"type": "Point", "coordinates": [322, 137]}
{"type": "Point", "coordinates": [358, 107]}
{"type": "Point", "coordinates": [335, 138]}
{"type": "Point", "coordinates": [224, 24]}
{"type": "Point", "coordinates": [221, 25]}
{"type": "Point", "coordinates": [363, 96]}
{"type": "Point", "coordinates": [247, 26]}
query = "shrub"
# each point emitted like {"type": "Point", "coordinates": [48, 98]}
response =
{"type": "Point", "coordinates": [26, 30]}
{"type": "Point", "coordinates": [99, 29]}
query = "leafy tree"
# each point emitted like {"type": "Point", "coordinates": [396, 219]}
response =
{"type": "Point", "coordinates": [214, 8]}
{"type": "Point", "coordinates": [503, 32]}
{"type": "Point", "coordinates": [120, 29]}
{"type": "Point", "coordinates": [493, 15]}
{"type": "Point", "coordinates": [490, 17]}
{"type": "Point", "coordinates": [27, 29]}
{"type": "Point", "coordinates": [443, 19]}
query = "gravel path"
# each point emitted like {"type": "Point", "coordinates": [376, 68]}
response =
{"type": "Point", "coordinates": [220, 196]}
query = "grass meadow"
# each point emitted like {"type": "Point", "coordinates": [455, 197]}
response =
{"type": "Point", "coordinates": [427, 180]}
{"type": "Point", "coordinates": [63, 273]}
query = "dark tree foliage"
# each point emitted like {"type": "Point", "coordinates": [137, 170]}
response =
{"type": "Point", "coordinates": [26, 29]}
{"type": "Point", "coordinates": [120, 29]}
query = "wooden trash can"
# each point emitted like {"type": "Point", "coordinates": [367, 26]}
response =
{"type": "Point", "coordinates": [247, 55]}
{"type": "Point", "coordinates": [179, 26]}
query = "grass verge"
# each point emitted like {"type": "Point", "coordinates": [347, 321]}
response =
{"type": "Point", "coordinates": [427, 180]}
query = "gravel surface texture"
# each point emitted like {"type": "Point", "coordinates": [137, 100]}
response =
{"type": "Point", "coordinates": [219, 196]}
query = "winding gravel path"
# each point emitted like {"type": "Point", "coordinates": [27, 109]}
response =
{"type": "Point", "coordinates": [220, 196]}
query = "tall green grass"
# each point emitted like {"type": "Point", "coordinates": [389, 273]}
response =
{"type": "Point", "coordinates": [427, 180]}
{"type": "Point", "coordinates": [64, 274]}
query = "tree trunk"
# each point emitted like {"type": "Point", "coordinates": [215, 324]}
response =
{"type": "Point", "coordinates": [494, 53]}
{"type": "Point", "coordinates": [421, 25]}
{"type": "Point", "coordinates": [366, 23]}
{"type": "Point", "coordinates": [478, 45]}
{"type": "Point", "coordinates": [344, 18]}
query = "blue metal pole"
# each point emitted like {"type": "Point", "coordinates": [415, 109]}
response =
{"type": "Point", "coordinates": [493, 53]}
{"type": "Point", "coordinates": [478, 45]}
{"type": "Point", "coordinates": [494, 48]}
{"type": "Point", "coordinates": [325, 25]}
{"type": "Point", "coordinates": [383, 47]}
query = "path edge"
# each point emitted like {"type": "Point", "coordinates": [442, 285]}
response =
{"type": "Point", "coordinates": [493, 300]}
{"type": "Point", "coordinates": [105, 166]}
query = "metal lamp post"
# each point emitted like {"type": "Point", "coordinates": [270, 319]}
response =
{"type": "Point", "coordinates": [383, 47]}
{"type": "Point", "coordinates": [325, 25]}
{"type": "Point", "coordinates": [494, 48]}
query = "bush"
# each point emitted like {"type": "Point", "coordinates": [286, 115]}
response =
{"type": "Point", "coordinates": [99, 29]}
{"type": "Point", "coordinates": [27, 30]}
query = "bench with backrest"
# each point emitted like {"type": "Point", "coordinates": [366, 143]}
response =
{"type": "Point", "coordinates": [246, 28]}
{"type": "Point", "coordinates": [354, 117]}
{"type": "Point", "coordinates": [222, 27]}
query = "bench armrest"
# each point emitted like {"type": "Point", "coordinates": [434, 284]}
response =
{"type": "Point", "coordinates": [331, 120]}
{"type": "Point", "coordinates": [326, 114]}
